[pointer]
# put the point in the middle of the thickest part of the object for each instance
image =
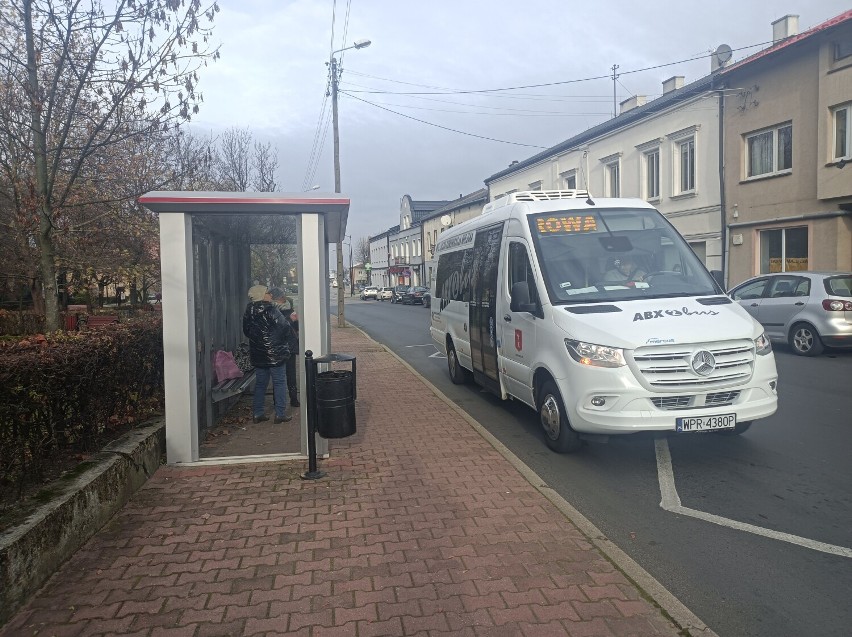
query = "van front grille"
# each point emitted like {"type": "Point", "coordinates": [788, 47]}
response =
{"type": "Point", "coordinates": [670, 366]}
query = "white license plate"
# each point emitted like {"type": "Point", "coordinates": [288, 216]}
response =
{"type": "Point", "coordinates": [706, 423]}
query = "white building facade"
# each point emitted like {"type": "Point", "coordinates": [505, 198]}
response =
{"type": "Point", "coordinates": [665, 151]}
{"type": "Point", "coordinates": [379, 251]}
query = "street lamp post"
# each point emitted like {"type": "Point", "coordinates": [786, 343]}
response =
{"type": "Point", "coordinates": [335, 71]}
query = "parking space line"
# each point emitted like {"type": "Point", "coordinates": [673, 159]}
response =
{"type": "Point", "coordinates": [670, 501]}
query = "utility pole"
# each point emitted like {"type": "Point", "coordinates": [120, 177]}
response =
{"type": "Point", "coordinates": [341, 319]}
{"type": "Point", "coordinates": [614, 78]}
{"type": "Point", "coordinates": [335, 73]}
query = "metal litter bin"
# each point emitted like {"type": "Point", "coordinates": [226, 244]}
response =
{"type": "Point", "coordinates": [334, 394]}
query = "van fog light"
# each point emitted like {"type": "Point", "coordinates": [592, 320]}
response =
{"type": "Point", "coordinates": [598, 401]}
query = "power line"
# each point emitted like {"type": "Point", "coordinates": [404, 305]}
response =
{"type": "Point", "coordinates": [452, 130]}
{"type": "Point", "coordinates": [559, 83]}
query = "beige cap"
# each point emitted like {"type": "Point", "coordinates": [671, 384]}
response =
{"type": "Point", "coordinates": [257, 292]}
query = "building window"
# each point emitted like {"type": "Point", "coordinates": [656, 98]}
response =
{"type": "Point", "coordinates": [536, 185]}
{"type": "Point", "coordinates": [843, 132]}
{"type": "Point", "coordinates": [686, 166]}
{"type": "Point", "coordinates": [842, 50]}
{"type": "Point", "coordinates": [652, 174]}
{"type": "Point", "coordinates": [700, 250]}
{"type": "Point", "coordinates": [569, 180]}
{"type": "Point", "coordinates": [783, 250]}
{"type": "Point", "coordinates": [613, 181]}
{"type": "Point", "coordinates": [770, 152]}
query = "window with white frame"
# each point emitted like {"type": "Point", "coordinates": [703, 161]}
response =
{"type": "Point", "coordinates": [651, 167]}
{"type": "Point", "coordinates": [612, 187]}
{"type": "Point", "coordinates": [770, 151]}
{"type": "Point", "coordinates": [841, 118]}
{"type": "Point", "coordinates": [569, 180]}
{"type": "Point", "coordinates": [783, 250]}
{"type": "Point", "coordinates": [686, 165]}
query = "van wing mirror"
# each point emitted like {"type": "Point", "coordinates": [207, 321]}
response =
{"type": "Point", "coordinates": [717, 276]}
{"type": "Point", "coordinates": [521, 298]}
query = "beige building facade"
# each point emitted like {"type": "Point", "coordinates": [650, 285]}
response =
{"type": "Point", "coordinates": [786, 148]}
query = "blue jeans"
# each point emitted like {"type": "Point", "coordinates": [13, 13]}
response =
{"type": "Point", "coordinates": [279, 389]}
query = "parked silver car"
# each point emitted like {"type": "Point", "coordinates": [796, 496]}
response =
{"type": "Point", "coordinates": [808, 310]}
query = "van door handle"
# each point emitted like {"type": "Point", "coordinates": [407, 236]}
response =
{"type": "Point", "coordinates": [799, 303]}
{"type": "Point", "coordinates": [754, 305]}
{"type": "Point", "coordinates": [507, 318]}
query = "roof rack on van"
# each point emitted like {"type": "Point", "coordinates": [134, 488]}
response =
{"type": "Point", "coordinates": [534, 195]}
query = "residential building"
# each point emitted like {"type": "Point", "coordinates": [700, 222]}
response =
{"type": "Point", "coordinates": [664, 151]}
{"type": "Point", "coordinates": [405, 260]}
{"type": "Point", "coordinates": [432, 225]}
{"type": "Point", "coordinates": [787, 148]}
{"type": "Point", "coordinates": [379, 253]}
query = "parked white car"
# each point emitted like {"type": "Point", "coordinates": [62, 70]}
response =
{"type": "Point", "coordinates": [385, 294]}
{"type": "Point", "coordinates": [369, 292]}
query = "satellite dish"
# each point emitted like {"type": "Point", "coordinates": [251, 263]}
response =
{"type": "Point", "coordinates": [446, 220]}
{"type": "Point", "coordinates": [723, 53]}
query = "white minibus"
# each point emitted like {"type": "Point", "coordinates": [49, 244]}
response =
{"type": "Point", "coordinates": [597, 314]}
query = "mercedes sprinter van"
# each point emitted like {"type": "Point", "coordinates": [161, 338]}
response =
{"type": "Point", "coordinates": [597, 314]}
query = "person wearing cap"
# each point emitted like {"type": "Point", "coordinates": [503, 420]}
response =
{"type": "Point", "coordinates": [269, 334]}
{"type": "Point", "coordinates": [285, 306]}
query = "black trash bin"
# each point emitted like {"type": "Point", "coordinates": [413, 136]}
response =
{"type": "Point", "coordinates": [334, 398]}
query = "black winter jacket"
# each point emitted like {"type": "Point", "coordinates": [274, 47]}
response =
{"type": "Point", "coordinates": [268, 333]}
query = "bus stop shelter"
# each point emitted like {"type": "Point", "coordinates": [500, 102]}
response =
{"type": "Point", "coordinates": [213, 247]}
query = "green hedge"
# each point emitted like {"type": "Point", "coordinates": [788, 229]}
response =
{"type": "Point", "coordinates": [62, 393]}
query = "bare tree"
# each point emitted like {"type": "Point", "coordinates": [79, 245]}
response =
{"type": "Point", "coordinates": [92, 77]}
{"type": "Point", "coordinates": [235, 159]}
{"type": "Point", "coordinates": [362, 250]}
{"type": "Point", "coordinates": [265, 166]}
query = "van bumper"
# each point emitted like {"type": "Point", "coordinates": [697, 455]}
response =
{"type": "Point", "coordinates": [633, 410]}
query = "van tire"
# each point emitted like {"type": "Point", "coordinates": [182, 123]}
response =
{"type": "Point", "coordinates": [458, 374]}
{"type": "Point", "coordinates": [558, 434]}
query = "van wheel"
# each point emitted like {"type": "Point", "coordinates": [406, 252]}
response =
{"type": "Point", "coordinates": [805, 341]}
{"type": "Point", "coordinates": [458, 374]}
{"type": "Point", "coordinates": [558, 435]}
{"type": "Point", "coordinates": [739, 428]}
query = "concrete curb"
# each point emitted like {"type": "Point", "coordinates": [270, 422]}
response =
{"type": "Point", "coordinates": [653, 590]}
{"type": "Point", "coordinates": [31, 552]}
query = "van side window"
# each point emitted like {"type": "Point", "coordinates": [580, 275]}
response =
{"type": "Point", "coordinates": [521, 270]}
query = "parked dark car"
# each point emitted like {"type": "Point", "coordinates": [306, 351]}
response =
{"type": "Point", "coordinates": [398, 292]}
{"type": "Point", "coordinates": [413, 295]}
{"type": "Point", "coordinates": [427, 300]}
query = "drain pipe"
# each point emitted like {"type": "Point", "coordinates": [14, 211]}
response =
{"type": "Point", "coordinates": [722, 204]}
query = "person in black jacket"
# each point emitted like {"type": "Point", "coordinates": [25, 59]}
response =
{"type": "Point", "coordinates": [285, 305]}
{"type": "Point", "coordinates": [268, 333]}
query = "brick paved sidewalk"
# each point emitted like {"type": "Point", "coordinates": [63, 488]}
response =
{"type": "Point", "coordinates": [420, 528]}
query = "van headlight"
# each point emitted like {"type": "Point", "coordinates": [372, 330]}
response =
{"type": "Point", "coordinates": [762, 345]}
{"type": "Point", "coordinates": [595, 355]}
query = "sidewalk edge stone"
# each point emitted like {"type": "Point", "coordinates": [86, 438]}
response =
{"type": "Point", "coordinates": [33, 551]}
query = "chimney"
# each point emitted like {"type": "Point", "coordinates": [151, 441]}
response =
{"type": "Point", "coordinates": [784, 28]}
{"type": "Point", "coordinates": [672, 84]}
{"type": "Point", "coordinates": [632, 102]}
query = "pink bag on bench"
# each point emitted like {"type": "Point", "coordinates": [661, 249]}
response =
{"type": "Point", "coordinates": [225, 366]}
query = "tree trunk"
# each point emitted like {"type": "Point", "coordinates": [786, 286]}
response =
{"type": "Point", "coordinates": [47, 250]}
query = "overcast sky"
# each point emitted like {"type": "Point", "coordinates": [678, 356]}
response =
{"type": "Point", "coordinates": [272, 78]}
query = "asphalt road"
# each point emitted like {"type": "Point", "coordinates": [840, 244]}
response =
{"type": "Point", "coordinates": [773, 507]}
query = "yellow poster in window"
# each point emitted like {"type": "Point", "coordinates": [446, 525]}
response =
{"type": "Point", "coordinates": [796, 264]}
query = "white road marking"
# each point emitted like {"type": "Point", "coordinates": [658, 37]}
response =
{"type": "Point", "coordinates": [671, 502]}
{"type": "Point", "coordinates": [438, 355]}
{"type": "Point", "coordinates": [426, 345]}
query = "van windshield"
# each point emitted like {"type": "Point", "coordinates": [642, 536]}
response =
{"type": "Point", "coordinates": [615, 254]}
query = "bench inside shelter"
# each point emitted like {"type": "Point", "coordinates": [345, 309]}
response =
{"type": "Point", "coordinates": [231, 387]}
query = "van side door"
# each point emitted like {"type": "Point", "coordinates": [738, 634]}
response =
{"type": "Point", "coordinates": [483, 307]}
{"type": "Point", "coordinates": [518, 339]}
